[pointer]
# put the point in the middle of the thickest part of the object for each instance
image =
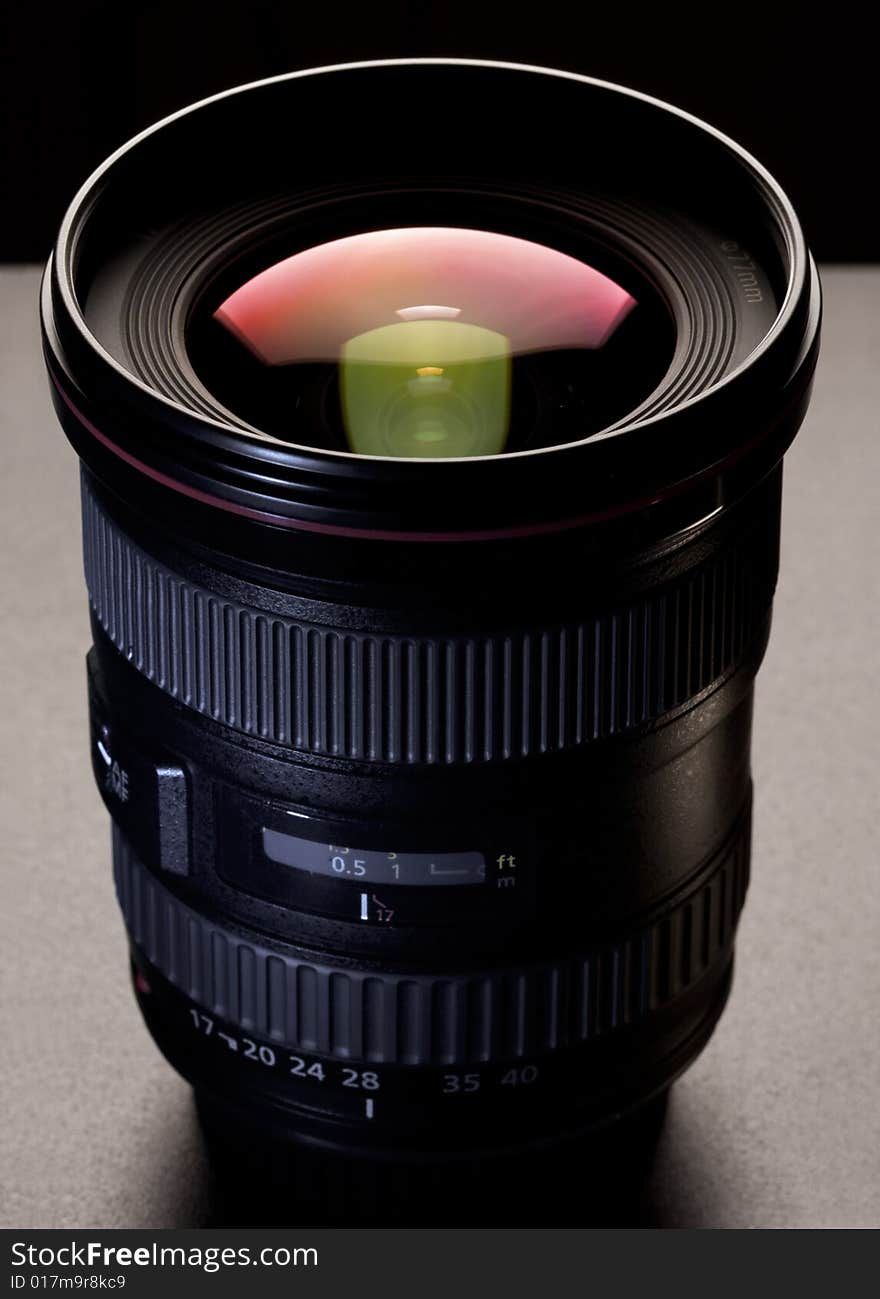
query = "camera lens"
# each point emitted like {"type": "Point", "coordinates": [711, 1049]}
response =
{"type": "Point", "coordinates": [431, 525]}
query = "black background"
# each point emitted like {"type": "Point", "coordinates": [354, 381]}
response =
{"type": "Point", "coordinates": [797, 86]}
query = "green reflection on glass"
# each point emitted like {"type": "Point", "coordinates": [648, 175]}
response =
{"type": "Point", "coordinates": [426, 388]}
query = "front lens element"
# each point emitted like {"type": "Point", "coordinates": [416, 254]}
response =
{"type": "Point", "coordinates": [423, 325]}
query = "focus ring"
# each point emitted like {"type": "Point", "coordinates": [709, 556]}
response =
{"type": "Point", "coordinates": [390, 698]}
{"type": "Point", "coordinates": [423, 1019]}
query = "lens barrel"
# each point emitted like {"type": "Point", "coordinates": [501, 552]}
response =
{"type": "Point", "coordinates": [429, 777]}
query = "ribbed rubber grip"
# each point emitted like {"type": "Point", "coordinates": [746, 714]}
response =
{"type": "Point", "coordinates": [423, 699]}
{"type": "Point", "coordinates": [422, 1019]}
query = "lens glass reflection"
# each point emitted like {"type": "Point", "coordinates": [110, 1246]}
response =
{"type": "Point", "coordinates": [428, 341]}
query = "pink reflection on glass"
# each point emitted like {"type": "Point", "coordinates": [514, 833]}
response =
{"type": "Point", "coordinates": [306, 307]}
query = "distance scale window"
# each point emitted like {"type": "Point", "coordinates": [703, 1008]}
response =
{"type": "Point", "coordinates": [374, 885]}
{"type": "Point", "coordinates": [409, 868]}
{"type": "Point", "coordinates": [393, 874]}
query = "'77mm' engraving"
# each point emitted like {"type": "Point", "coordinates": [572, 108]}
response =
{"type": "Point", "coordinates": [744, 269]}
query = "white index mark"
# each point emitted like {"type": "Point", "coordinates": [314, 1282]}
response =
{"type": "Point", "coordinates": [365, 915]}
{"type": "Point", "coordinates": [449, 870]}
{"type": "Point", "coordinates": [368, 1105]}
{"type": "Point", "coordinates": [104, 754]}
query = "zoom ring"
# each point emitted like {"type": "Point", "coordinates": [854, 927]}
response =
{"type": "Point", "coordinates": [434, 700]}
{"type": "Point", "coordinates": [419, 1019]}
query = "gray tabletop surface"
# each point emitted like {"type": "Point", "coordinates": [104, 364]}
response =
{"type": "Point", "coordinates": [778, 1122]}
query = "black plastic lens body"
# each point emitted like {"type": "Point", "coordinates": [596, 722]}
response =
{"type": "Point", "coordinates": [430, 776]}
